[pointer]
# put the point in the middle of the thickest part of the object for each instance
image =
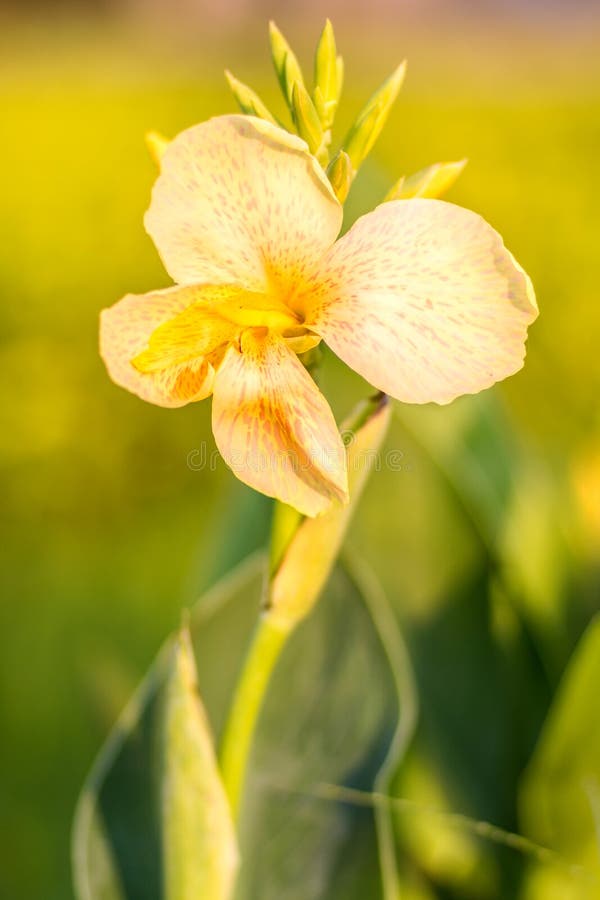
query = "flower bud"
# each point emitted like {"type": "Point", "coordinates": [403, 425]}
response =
{"type": "Point", "coordinates": [431, 182]}
{"type": "Point", "coordinates": [285, 62]}
{"type": "Point", "coordinates": [341, 175]}
{"type": "Point", "coordinates": [326, 92]}
{"type": "Point", "coordinates": [372, 118]}
{"type": "Point", "coordinates": [248, 101]}
{"type": "Point", "coordinates": [306, 118]}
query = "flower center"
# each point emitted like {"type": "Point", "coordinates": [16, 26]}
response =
{"type": "Point", "coordinates": [253, 310]}
{"type": "Point", "coordinates": [217, 318]}
{"type": "Point", "coordinates": [275, 319]}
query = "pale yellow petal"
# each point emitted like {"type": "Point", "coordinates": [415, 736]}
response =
{"type": "Point", "coordinates": [274, 428]}
{"type": "Point", "coordinates": [194, 333]}
{"type": "Point", "coordinates": [125, 332]}
{"type": "Point", "coordinates": [241, 200]}
{"type": "Point", "coordinates": [423, 300]}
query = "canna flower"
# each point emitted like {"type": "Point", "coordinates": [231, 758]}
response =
{"type": "Point", "coordinates": [420, 297]}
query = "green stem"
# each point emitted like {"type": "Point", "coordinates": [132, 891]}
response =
{"type": "Point", "coordinates": [286, 521]}
{"type": "Point", "coordinates": [303, 552]}
{"type": "Point", "coordinates": [267, 643]}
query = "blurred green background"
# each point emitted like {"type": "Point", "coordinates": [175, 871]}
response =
{"type": "Point", "coordinates": [107, 532]}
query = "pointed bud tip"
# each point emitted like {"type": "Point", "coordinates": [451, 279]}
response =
{"type": "Point", "coordinates": [327, 31]}
{"type": "Point", "coordinates": [399, 73]}
{"type": "Point", "coordinates": [156, 144]}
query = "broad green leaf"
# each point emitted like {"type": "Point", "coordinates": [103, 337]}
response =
{"type": "Point", "coordinates": [560, 794]}
{"type": "Point", "coordinates": [401, 673]}
{"type": "Point", "coordinates": [480, 684]}
{"type": "Point", "coordinates": [519, 512]}
{"type": "Point", "coordinates": [95, 871]}
{"type": "Point", "coordinates": [470, 444]}
{"type": "Point", "coordinates": [331, 716]}
{"type": "Point", "coordinates": [538, 562]}
{"type": "Point", "coordinates": [198, 835]}
{"type": "Point", "coordinates": [153, 820]}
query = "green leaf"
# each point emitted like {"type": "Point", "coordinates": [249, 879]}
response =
{"type": "Point", "coordinates": [286, 65]}
{"type": "Point", "coordinates": [471, 446]}
{"type": "Point", "coordinates": [401, 673]}
{"type": "Point", "coordinates": [330, 716]}
{"type": "Point", "coordinates": [431, 182]}
{"type": "Point", "coordinates": [153, 820]}
{"type": "Point", "coordinates": [518, 509]}
{"type": "Point", "coordinates": [248, 101]}
{"type": "Point", "coordinates": [198, 835]}
{"type": "Point", "coordinates": [559, 799]}
{"type": "Point", "coordinates": [372, 118]}
{"type": "Point", "coordinates": [480, 683]}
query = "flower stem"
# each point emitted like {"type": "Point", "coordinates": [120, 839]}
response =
{"type": "Point", "coordinates": [303, 553]}
{"type": "Point", "coordinates": [267, 643]}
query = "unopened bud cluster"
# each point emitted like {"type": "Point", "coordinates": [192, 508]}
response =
{"type": "Point", "coordinates": [313, 115]}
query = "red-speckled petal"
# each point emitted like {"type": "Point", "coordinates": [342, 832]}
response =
{"type": "Point", "coordinates": [125, 331]}
{"type": "Point", "coordinates": [274, 428]}
{"type": "Point", "coordinates": [241, 200]}
{"type": "Point", "coordinates": [423, 300]}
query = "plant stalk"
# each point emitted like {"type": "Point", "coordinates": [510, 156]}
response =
{"type": "Point", "coordinates": [267, 643]}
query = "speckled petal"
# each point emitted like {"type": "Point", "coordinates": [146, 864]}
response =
{"type": "Point", "coordinates": [423, 300]}
{"type": "Point", "coordinates": [241, 200]}
{"type": "Point", "coordinates": [274, 428]}
{"type": "Point", "coordinates": [125, 331]}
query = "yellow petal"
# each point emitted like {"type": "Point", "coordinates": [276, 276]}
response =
{"type": "Point", "coordinates": [423, 300]}
{"type": "Point", "coordinates": [126, 329]}
{"type": "Point", "coordinates": [240, 200]}
{"type": "Point", "coordinates": [273, 426]}
{"type": "Point", "coordinates": [196, 332]}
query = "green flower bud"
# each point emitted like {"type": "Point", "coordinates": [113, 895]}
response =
{"type": "Point", "coordinates": [248, 101]}
{"type": "Point", "coordinates": [433, 181]}
{"type": "Point", "coordinates": [326, 76]}
{"type": "Point", "coordinates": [306, 118]}
{"type": "Point", "coordinates": [286, 65]}
{"type": "Point", "coordinates": [341, 175]}
{"type": "Point", "coordinates": [373, 117]}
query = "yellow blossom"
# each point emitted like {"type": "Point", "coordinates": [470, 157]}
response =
{"type": "Point", "coordinates": [420, 297]}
